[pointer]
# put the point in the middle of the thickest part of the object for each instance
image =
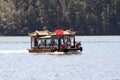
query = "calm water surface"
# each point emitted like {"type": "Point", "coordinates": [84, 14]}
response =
{"type": "Point", "coordinates": [100, 60]}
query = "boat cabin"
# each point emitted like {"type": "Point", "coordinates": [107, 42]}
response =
{"type": "Point", "coordinates": [60, 41]}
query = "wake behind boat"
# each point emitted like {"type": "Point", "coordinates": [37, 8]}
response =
{"type": "Point", "coordinates": [14, 51]}
{"type": "Point", "coordinates": [58, 41]}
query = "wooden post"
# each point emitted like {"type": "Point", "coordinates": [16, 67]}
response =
{"type": "Point", "coordinates": [59, 42]}
{"type": "Point", "coordinates": [74, 41]}
{"type": "Point", "coordinates": [45, 42]}
{"type": "Point", "coordinates": [31, 42]}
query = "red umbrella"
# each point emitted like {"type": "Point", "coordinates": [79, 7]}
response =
{"type": "Point", "coordinates": [59, 32]}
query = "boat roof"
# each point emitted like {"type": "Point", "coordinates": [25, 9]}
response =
{"type": "Point", "coordinates": [55, 33]}
{"type": "Point", "coordinates": [65, 33]}
{"type": "Point", "coordinates": [45, 37]}
{"type": "Point", "coordinates": [40, 33]}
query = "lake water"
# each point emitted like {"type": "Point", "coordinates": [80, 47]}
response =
{"type": "Point", "coordinates": [100, 60]}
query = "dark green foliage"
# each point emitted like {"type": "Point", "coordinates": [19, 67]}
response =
{"type": "Point", "coordinates": [87, 17]}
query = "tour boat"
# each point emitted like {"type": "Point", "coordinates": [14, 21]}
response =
{"type": "Point", "coordinates": [55, 42]}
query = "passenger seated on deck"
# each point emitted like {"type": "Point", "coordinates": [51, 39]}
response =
{"type": "Point", "coordinates": [63, 45]}
{"type": "Point", "coordinates": [69, 45]}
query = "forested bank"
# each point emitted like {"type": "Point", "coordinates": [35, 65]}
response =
{"type": "Point", "coordinates": [87, 17]}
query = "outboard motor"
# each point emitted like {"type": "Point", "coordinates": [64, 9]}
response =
{"type": "Point", "coordinates": [81, 49]}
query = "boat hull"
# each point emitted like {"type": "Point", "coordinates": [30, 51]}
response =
{"type": "Point", "coordinates": [61, 51]}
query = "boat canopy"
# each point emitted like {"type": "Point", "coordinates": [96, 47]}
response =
{"type": "Point", "coordinates": [47, 33]}
{"type": "Point", "coordinates": [40, 33]}
{"type": "Point", "coordinates": [45, 37]}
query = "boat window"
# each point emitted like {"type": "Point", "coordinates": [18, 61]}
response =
{"type": "Point", "coordinates": [68, 39]}
{"type": "Point", "coordinates": [41, 43]}
{"type": "Point", "coordinates": [72, 40]}
{"type": "Point", "coordinates": [48, 42]}
{"type": "Point", "coordinates": [54, 42]}
{"type": "Point", "coordinates": [44, 42]}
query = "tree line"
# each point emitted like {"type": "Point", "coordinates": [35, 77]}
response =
{"type": "Point", "coordinates": [87, 17]}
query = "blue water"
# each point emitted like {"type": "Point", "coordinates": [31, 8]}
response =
{"type": "Point", "coordinates": [100, 60]}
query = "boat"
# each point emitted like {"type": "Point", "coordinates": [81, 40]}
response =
{"type": "Point", "coordinates": [53, 42]}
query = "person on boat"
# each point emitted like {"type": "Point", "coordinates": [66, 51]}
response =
{"type": "Point", "coordinates": [63, 43]}
{"type": "Point", "coordinates": [69, 45]}
{"type": "Point", "coordinates": [35, 41]}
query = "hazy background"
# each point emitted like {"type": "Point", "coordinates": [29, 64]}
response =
{"type": "Point", "coordinates": [87, 17]}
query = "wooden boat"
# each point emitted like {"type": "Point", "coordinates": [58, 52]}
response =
{"type": "Point", "coordinates": [52, 42]}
